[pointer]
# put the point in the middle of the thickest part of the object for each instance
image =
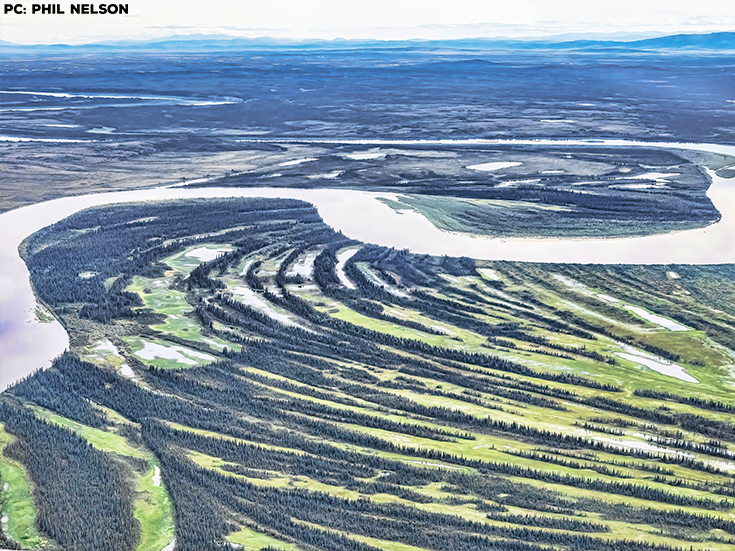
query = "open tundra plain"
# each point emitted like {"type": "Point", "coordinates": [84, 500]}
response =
{"type": "Point", "coordinates": [241, 375]}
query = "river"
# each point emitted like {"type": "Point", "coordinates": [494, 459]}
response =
{"type": "Point", "coordinates": [27, 344]}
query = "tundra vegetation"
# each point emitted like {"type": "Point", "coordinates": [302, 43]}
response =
{"type": "Point", "coordinates": [224, 387]}
{"type": "Point", "coordinates": [246, 113]}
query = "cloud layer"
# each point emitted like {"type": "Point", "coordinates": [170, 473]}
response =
{"type": "Point", "coordinates": [378, 19]}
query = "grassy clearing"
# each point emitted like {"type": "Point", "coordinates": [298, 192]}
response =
{"type": "Point", "coordinates": [171, 303]}
{"type": "Point", "coordinates": [109, 281]}
{"type": "Point", "coordinates": [254, 541]}
{"type": "Point", "coordinates": [385, 544]}
{"type": "Point", "coordinates": [217, 435]}
{"type": "Point", "coordinates": [185, 261]}
{"type": "Point", "coordinates": [369, 408]}
{"type": "Point", "coordinates": [700, 357]}
{"type": "Point", "coordinates": [271, 266]}
{"type": "Point", "coordinates": [463, 339]}
{"type": "Point", "coordinates": [103, 440]}
{"type": "Point", "coordinates": [157, 295]}
{"type": "Point", "coordinates": [244, 294]}
{"type": "Point", "coordinates": [154, 511]}
{"type": "Point", "coordinates": [614, 498]}
{"type": "Point", "coordinates": [272, 480]}
{"type": "Point", "coordinates": [209, 462]}
{"type": "Point", "coordinates": [104, 352]}
{"type": "Point", "coordinates": [17, 503]}
{"type": "Point", "coordinates": [166, 355]}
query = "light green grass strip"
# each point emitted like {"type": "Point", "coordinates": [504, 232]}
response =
{"type": "Point", "coordinates": [255, 541]}
{"type": "Point", "coordinates": [155, 513]}
{"type": "Point", "coordinates": [17, 503]}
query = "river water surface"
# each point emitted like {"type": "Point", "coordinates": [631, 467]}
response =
{"type": "Point", "coordinates": [26, 344]}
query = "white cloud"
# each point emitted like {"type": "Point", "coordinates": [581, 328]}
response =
{"type": "Point", "coordinates": [381, 19]}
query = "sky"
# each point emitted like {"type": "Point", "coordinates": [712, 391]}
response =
{"type": "Point", "coordinates": [377, 19]}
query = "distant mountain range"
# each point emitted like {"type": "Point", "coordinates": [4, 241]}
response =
{"type": "Point", "coordinates": [693, 42]}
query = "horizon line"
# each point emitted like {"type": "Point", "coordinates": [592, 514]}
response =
{"type": "Point", "coordinates": [556, 38]}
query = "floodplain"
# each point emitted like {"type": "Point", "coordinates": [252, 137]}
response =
{"type": "Point", "coordinates": [242, 374]}
{"type": "Point", "coordinates": [293, 372]}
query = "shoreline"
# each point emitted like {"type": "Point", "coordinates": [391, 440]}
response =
{"type": "Point", "coordinates": [26, 344]}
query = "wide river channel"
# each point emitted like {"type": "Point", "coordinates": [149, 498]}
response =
{"type": "Point", "coordinates": [26, 344]}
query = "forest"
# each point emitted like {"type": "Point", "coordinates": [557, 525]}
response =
{"type": "Point", "coordinates": [242, 376]}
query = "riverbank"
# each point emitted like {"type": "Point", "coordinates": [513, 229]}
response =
{"type": "Point", "coordinates": [26, 344]}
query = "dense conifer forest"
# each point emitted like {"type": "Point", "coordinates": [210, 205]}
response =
{"type": "Point", "coordinates": [240, 375]}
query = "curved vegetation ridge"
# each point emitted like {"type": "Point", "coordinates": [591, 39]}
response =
{"type": "Point", "coordinates": [241, 375]}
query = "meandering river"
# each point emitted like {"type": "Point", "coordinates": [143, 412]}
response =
{"type": "Point", "coordinates": [27, 344]}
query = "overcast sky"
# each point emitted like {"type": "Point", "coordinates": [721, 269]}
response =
{"type": "Point", "coordinates": [379, 19]}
